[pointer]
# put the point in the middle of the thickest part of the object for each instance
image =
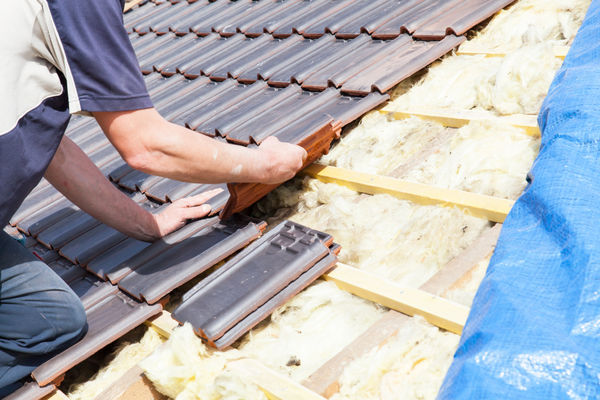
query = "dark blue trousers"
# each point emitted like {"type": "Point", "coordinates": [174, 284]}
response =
{"type": "Point", "coordinates": [39, 314]}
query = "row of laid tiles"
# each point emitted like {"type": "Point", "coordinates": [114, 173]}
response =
{"type": "Point", "coordinates": [382, 19]}
{"type": "Point", "coordinates": [245, 114]}
{"type": "Point", "coordinates": [148, 270]}
{"type": "Point", "coordinates": [273, 269]}
{"type": "Point", "coordinates": [353, 65]}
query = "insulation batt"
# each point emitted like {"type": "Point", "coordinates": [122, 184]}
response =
{"type": "Point", "coordinates": [464, 163]}
{"type": "Point", "coordinates": [531, 22]}
{"type": "Point", "coordinates": [185, 369]}
{"type": "Point", "coordinates": [379, 145]}
{"type": "Point", "coordinates": [125, 357]}
{"type": "Point", "coordinates": [396, 239]}
{"type": "Point", "coordinates": [514, 84]}
{"type": "Point", "coordinates": [310, 329]}
{"type": "Point", "coordinates": [410, 365]}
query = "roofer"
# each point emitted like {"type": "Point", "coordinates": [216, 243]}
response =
{"type": "Point", "coordinates": [74, 56]}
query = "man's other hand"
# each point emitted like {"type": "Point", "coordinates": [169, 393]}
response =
{"type": "Point", "coordinates": [282, 160]}
{"type": "Point", "coordinates": [177, 214]}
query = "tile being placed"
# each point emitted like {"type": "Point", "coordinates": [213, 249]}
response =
{"type": "Point", "coordinates": [184, 261]}
{"type": "Point", "coordinates": [108, 320]}
{"type": "Point", "coordinates": [251, 278]}
{"type": "Point", "coordinates": [315, 136]}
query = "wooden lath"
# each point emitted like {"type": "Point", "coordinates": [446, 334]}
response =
{"type": "Point", "coordinates": [459, 118]}
{"type": "Point", "coordinates": [436, 310]}
{"type": "Point", "coordinates": [479, 205]}
{"type": "Point", "coordinates": [472, 50]}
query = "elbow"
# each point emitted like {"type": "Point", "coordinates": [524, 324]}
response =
{"type": "Point", "coordinates": [140, 159]}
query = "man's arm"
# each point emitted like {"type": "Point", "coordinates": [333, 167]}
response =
{"type": "Point", "coordinates": [74, 175]}
{"type": "Point", "coordinates": [153, 145]}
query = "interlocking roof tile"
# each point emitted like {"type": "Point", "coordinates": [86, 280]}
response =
{"type": "Point", "coordinates": [31, 391]}
{"type": "Point", "coordinates": [107, 321]}
{"type": "Point", "coordinates": [155, 278]}
{"type": "Point", "coordinates": [265, 267]}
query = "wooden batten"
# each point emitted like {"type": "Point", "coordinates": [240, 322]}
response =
{"type": "Point", "coordinates": [459, 118]}
{"type": "Point", "coordinates": [479, 205]}
{"type": "Point", "coordinates": [436, 310]}
{"type": "Point", "coordinates": [473, 50]}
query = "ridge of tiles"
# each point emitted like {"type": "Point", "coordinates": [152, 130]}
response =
{"type": "Point", "coordinates": [382, 19]}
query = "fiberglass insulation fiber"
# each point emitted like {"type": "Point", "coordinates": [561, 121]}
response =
{"type": "Point", "coordinates": [185, 369]}
{"type": "Point", "coordinates": [530, 22]}
{"type": "Point", "coordinates": [514, 84]}
{"type": "Point", "coordinates": [310, 329]}
{"type": "Point", "coordinates": [486, 158]}
{"type": "Point", "coordinates": [409, 365]}
{"type": "Point", "coordinates": [396, 239]}
{"type": "Point", "coordinates": [125, 357]}
{"type": "Point", "coordinates": [379, 145]}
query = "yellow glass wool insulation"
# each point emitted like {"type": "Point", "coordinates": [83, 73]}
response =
{"type": "Point", "coordinates": [185, 369]}
{"type": "Point", "coordinates": [514, 84]}
{"type": "Point", "coordinates": [486, 158]}
{"type": "Point", "coordinates": [396, 239]}
{"type": "Point", "coordinates": [379, 145]}
{"type": "Point", "coordinates": [310, 329]}
{"type": "Point", "coordinates": [530, 22]}
{"type": "Point", "coordinates": [125, 357]}
{"type": "Point", "coordinates": [410, 365]}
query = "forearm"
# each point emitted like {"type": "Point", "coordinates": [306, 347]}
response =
{"type": "Point", "coordinates": [158, 147]}
{"type": "Point", "coordinates": [74, 175]}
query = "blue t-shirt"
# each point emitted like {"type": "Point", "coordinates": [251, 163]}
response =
{"type": "Point", "coordinates": [57, 57]}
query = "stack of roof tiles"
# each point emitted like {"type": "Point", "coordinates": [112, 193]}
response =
{"type": "Point", "coordinates": [237, 71]}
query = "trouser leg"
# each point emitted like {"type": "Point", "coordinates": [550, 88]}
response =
{"type": "Point", "coordinates": [39, 314]}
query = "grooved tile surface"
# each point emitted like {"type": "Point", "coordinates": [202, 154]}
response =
{"type": "Point", "coordinates": [31, 391]}
{"type": "Point", "coordinates": [155, 278]}
{"type": "Point", "coordinates": [108, 320]}
{"type": "Point", "coordinates": [246, 289]}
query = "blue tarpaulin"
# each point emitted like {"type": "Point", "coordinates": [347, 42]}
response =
{"type": "Point", "coordinates": [534, 327]}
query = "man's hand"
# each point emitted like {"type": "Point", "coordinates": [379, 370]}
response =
{"type": "Point", "coordinates": [282, 160]}
{"type": "Point", "coordinates": [176, 215]}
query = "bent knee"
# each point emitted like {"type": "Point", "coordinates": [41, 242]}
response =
{"type": "Point", "coordinates": [72, 324]}
{"type": "Point", "coordinates": [68, 321]}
